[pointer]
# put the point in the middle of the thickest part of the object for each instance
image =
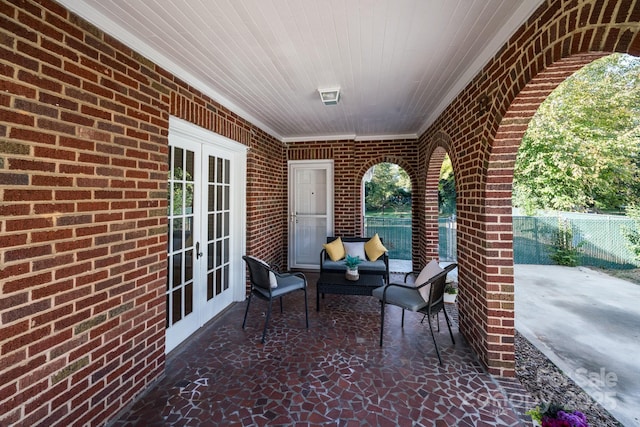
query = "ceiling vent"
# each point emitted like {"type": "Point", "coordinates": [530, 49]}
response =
{"type": "Point", "coordinates": [330, 96]}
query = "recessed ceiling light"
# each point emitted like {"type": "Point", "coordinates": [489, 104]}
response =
{"type": "Point", "coordinates": [330, 96]}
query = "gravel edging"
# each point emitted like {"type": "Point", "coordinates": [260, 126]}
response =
{"type": "Point", "coordinates": [547, 383]}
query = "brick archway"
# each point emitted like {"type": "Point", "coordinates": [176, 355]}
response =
{"type": "Point", "coordinates": [372, 162]}
{"type": "Point", "coordinates": [498, 190]}
{"type": "Point", "coordinates": [427, 218]}
{"type": "Point", "coordinates": [486, 122]}
{"type": "Point", "coordinates": [499, 180]}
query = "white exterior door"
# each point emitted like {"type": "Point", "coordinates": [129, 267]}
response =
{"type": "Point", "coordinates": [206, 228]}
{"type": "Point", "coordinates": [310, 211]}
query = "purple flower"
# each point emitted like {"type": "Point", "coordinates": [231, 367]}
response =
{"type": "Point", "coordinates": [575, 419]}
{"type": "Point", "coordinates": [555, 415]}
{"type": "Point", "coordinates": [564, 419]}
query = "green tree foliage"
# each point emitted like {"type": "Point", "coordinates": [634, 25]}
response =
{"type": "Point", "coordinates": [388, 188]}
{"type": "Point", "coordinates": [447, 189]}
{"type": "Point", "coordinates": [182, 193]}
{"type": "Point", "coordinates": [633, 233]}
{"type": "Point", "coordinates": [582, 148]}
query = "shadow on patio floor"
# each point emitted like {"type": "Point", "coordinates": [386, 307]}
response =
{"type": "Point", "coordinates": [333, 374]}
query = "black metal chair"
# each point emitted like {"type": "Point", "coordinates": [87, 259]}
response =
{"type": "Point", "coordinates": [408, 297]}
{"type": "Point", "coordinates": [268, 284]}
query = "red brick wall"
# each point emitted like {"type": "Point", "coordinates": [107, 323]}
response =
{"type": "Point", "coordinates": [267, 200]}
{"type": "Point", "coordinates": [83, 171]}
{"type": "Point", "coordinates": [352, 159]}
{"type": "Point", "coordinates": [83, 219]}
{"type": "Point", "coordinates": [83, 150]}
{"type": "Point", "coordinates": [552, 44]}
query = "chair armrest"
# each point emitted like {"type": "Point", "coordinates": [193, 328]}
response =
{"type": "Point", "coordinates": [289, 274]}
{"type": "Point", "coordinates": [411, 286]}
{"type": "Point", "coordinates": [447, 269]}
{"type": "Point", "coordinates": [451, 267]}
{"type": "Point", "coordinates": [401, 285]}
{"type": "Point", "coordinates": [302, 276]}
{"type": "Point", "coordinates": [406, 276]}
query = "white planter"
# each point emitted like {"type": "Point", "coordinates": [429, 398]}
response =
{"type": "Point", "coordinates": [352, 274]}
{"type": "Point", "coordinates": [450, 298]}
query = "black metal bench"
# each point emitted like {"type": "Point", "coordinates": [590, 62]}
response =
{"type": "Point", "coordinates": [380, 266]}
{"type": "Point", "coordinates": [336, 283]}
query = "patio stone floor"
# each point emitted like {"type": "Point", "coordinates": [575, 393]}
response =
{"type": "Point", "coordinates": [332, 374]}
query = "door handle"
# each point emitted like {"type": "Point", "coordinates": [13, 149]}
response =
{"type": "Point", "coordinates": [198, 253]}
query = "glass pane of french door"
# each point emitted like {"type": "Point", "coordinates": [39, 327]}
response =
{"type": "Point", "coordinates": [182, 238]}
{"type": "Point", "coordinates": [218, 230]}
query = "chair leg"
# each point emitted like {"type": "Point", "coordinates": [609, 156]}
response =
{"type": "Point", "coordinates": [449, 326]}
{"type": "Point", "coordinates": [381, 321]}
{"type": "Point", "coordinates": [246, 311]}
{"type": "Point", "coordinates": [281, 310]}
{"type": "Point", "coordinates": [318, 294]}
{"type": "Point", "coordinates": [435, 344]}
{"type": "Point", "coordinates": [306, 308]}
{"type": "Point", "coordinates": [266, 322]}
{"type": "Point", "coordinates": [402, 321]}
{"type": "Point", "coordinates": [447, 317]}
{"type": "Point", "coordinates": [437, 320]}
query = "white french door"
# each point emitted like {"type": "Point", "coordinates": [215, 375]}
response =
{"type": "Point", "coordinates": [310, 211]}
{"type": "Point", "coordinates": [206, 228]}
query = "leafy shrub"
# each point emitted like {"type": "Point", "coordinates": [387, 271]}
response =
{"type": "Point", "coordinates": [633, 234]}
{"type": "Point", "coordinates": [563, 250]}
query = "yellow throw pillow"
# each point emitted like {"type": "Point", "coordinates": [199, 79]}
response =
{"type": "Point", "coordinates": [335, 249]}
{"type": "Point", "coordinates": [374, 248]}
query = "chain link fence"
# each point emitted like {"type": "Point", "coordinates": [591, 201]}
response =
{"type": "Point", "coordinates": [395, 233]}
{"type": "Point", "coordinates": [601, 237]}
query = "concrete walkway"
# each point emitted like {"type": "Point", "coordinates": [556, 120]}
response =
{"type": "Point", "coordinates": [588, 324]}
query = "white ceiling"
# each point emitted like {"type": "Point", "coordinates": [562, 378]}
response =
{"type": "Point", "coordinates": [398, 63]}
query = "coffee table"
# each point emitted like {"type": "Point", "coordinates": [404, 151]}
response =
{"type": "Point", "coordinates": [336, 283]}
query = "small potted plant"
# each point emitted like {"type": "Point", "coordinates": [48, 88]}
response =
{"type": "Point", "coordinates": [552, 415]}
{"type": "Point", "coordinates": [450, 293]}
{"type": "Point", "coordinates": [352, 267]}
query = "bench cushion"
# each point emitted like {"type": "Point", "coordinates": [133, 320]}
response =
{"type": "Point", "coordinates": [379, 266]}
